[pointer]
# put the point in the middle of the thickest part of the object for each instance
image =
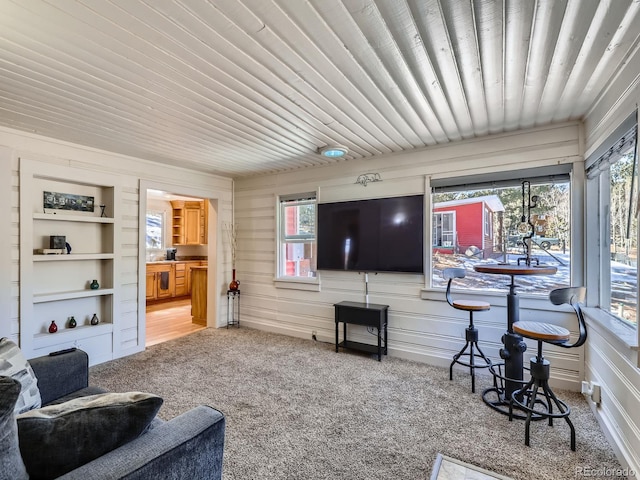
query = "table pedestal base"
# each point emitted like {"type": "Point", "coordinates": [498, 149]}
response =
{"type": "Point", "coordinates": [498, 397]}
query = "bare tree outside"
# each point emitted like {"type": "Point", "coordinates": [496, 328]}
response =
{"type": "Point", "coordinates": [624, 237]}
{"type": "Point", "coordinates": [551, 243]}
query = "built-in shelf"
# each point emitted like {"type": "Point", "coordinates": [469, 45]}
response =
{"type": "Point", "coordinates": [71, 218]}
{"type": "Point", "coordinates": [55, 287]}
{"type": "Point", "coordinates": [73, 257]}
{"type": "Point", "coordinates": [63, 335]}
{"type": "Point", "coordinates": [55, 297]}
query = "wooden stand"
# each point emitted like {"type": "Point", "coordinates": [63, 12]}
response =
{"type": "Point", "coordinates": [368, 314]}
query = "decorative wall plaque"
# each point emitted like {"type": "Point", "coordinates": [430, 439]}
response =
{"type": "Point", "coordinates": [67, 201]}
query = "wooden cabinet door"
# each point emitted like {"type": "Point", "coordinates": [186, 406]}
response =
{"type": "Point", "coordinates": [192, 225]}
{"type": "Point", "coordinates": [166, 289]}
{"type": "Point", "coordinates": [151, 285]}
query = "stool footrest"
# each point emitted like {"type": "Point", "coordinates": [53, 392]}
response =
{"type": "Point", "coordinates": [471, 364]}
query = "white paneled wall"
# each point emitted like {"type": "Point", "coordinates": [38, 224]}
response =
{"type": "Point", "coordinates": [610, 362]}
{"type": "Point", "coordinates": [421, 324]}
{"type": "Point", "coordinates": [129, 337]}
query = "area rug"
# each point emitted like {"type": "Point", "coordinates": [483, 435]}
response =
{"type": "Point", "coordinates": [297, 410]}
{"type": "Point", "coordinates": [447, 468]}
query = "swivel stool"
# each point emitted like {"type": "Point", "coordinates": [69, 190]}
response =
{"type": "Point", "coordinates": [537, 391]}
{"type": "Point", "coordinates": [467, 359]}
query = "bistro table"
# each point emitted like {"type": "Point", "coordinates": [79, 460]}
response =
{"type": "Point", "coordinates": [514, 345]}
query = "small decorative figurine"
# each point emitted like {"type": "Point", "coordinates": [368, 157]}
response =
{"type": "Point", "coordinates": [94, 285]}
{"type": "Point", "coordinates": [94, 320]}
{"type": "Point", "coordinates": [68, 248]}
{"type": "Point", "coordinates": [102, 214]}
{"type": "Point", "coordinates": [72, 322]}
{"type": "Point", "coordinates": [53, 328]}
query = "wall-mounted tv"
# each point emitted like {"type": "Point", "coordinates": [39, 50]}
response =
{"type": "Point", "coordinates": [378, 235]}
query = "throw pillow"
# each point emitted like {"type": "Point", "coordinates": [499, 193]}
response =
{"type": "Point", "coordinates": [59, 438]}
{"type": "Point", "coordinates": [14, 364]}
{"type": "Point", "coordinates": [11, 465]}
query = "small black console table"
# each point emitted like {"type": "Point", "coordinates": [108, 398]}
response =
{"type": "Point", "coordinates": [368, 314]}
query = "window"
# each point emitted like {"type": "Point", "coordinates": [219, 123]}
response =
{"type": "Point", "coordinates": [155, 230]}
{"type": "Point", "coordinates": [443, 233]}
{"type": "Point", "coordinates": [613, 178]}
{"type": "Point", "coordinates": [297, 245]}
{"type": "Point", "coordinates": [488, 223]}
{"type": "Point", "coordinates": [480, 219]}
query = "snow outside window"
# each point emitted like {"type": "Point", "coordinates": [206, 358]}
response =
{"type": "Point", "coordinates": [613, 177]}
{"type": "Point", "coordinates": [488, 228]}
{"type": "Point", "coordinates": [155, 230]}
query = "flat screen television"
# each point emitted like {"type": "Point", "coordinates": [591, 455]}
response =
{"type": "Point", "coordinates": [378, 235]}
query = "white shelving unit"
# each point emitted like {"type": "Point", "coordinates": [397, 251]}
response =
{"type": "Point", "coordinates": [54, 287]}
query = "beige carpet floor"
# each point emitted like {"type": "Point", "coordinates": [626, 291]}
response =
{"type": "Point", "coordinates": [296, 409]}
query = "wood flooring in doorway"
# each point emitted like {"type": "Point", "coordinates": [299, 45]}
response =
{"type": "Point", "coordinates": [169, 320]}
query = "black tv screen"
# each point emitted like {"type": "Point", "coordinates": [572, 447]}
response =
{"type": "Point", "coordinates": [379, 235]}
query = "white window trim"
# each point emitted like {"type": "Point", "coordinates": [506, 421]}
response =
{"type": "Point", "coordinates": [576, 180]}
{"type": "Point", "coordinates": [163, 234]}
{"type": "Point", "coordinates": [453, 221]}
{"type": "Point", "coordinates": [597, 280]}
{"type": "Point", "coordinates": [292, 283]}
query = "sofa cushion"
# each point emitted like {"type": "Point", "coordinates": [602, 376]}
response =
{"type": "Point", "coordinates": [14, 364]}
{"type": "Point", "coordinates": [11, 465]}
{"type": "Point", "coordinates": [59, 438]}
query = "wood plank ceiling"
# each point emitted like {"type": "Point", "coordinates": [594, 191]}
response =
{"type": "Point", "coordinates": [244, 87]}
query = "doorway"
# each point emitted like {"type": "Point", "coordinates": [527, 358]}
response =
{"type": "Point", "coordinates": [165, 306]}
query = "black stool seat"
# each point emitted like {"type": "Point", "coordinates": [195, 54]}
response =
{"type": "Point", "coordinates": [464, 357]}
{"type": "Point", "coordinates": [536, 397]}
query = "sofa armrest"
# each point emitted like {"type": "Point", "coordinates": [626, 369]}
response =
{"type": "Point", "coordinates": [59, 375]}
{"type": "Point", "coordinates": [188, 446]}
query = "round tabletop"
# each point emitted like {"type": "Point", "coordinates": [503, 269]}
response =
{"type": "Point", "coordinates": [512, 269]}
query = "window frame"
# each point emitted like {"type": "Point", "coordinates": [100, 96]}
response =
{"type": "Point", "coordinates": [571, 166]}
{"type": "Point", "coordinates": [598, 226]}
{"type": "Point", "coordinates": [163, 226]}
{"type": "Point", "coordinates": [442, 213]}
{"type": "Point", "coordinates": [282, 280]}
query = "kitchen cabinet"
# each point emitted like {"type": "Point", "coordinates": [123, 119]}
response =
{"type": "Point", "coordinates": [55, 287]}
{"type": "Point", "coordinates": [151, 285]}
{"type": "Point", "coordinates": [187, 273]}
{"type": "Point", "coordinates": [190, 222]}
{"type": "Point", "coordinates": [178, 282]}
{"type": "Point", "coordinates": [181, 280]}
{"type": "Point", "coordinates": [162, 277]}
{"type": "Point", "coordinates": [199, 294]}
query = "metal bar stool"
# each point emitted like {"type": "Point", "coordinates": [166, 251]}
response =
{"type": "Point", "coordinates": [471, 332]}
{"type": "Point", "coordinates": [537, 391]}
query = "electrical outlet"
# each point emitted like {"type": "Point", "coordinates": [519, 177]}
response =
{"type": "Point", "coordinates": [596, 393]}
{"type": "Point", "coordinates": [592, 390]}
